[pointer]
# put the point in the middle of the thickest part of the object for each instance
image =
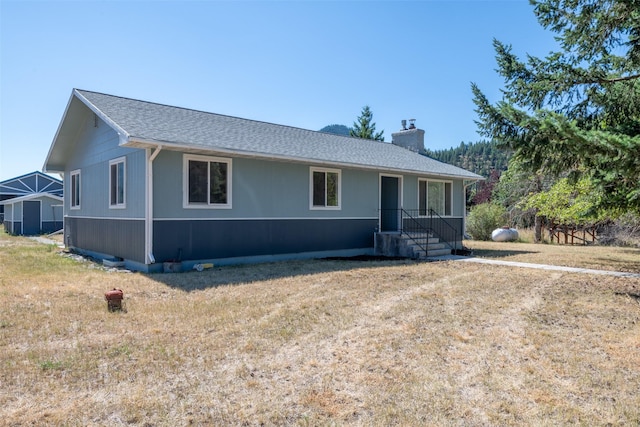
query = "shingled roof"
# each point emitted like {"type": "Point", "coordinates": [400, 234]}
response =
{"type": "Point", "coordinates": [145, 124]}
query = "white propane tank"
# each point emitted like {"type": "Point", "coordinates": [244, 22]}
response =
{"type": "Point", "coordinates": [504, 234]}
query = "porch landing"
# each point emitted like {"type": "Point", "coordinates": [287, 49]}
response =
{"type": "Point", "coordinates": [414, 246]}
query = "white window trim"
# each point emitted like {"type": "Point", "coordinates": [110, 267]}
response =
{"type": "Point", "coordinates": [79, 179]}
{"type": "Point", "coordinates": [185, 182]}
{"type": "Point", "coordinates": [427, 180]}
{"type": "Point", "coordinates": [122, 205]}
{"type": "Point", "coordinates": [325, 208]}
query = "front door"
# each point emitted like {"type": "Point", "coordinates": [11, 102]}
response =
{"type": "Point", "coordinates": [389, 203]}
{"type": "Point", "coordinates": [31, 218]}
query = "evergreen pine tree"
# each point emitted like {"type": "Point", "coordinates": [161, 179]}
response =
{"type": "Point", "coordinates": [576, 111]}
{"type": "Point", "coordinates": [364, 128]}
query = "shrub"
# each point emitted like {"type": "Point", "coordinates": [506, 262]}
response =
{"type": "Point", "coordinates": [625, 231]}
{"type": "Point", "coordinates": [485, 218]}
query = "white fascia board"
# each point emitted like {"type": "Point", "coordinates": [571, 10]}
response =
{"type": "Point", "coordinates": [31, 196]}
{"type": "Point", "coordinates": [467, 182]}
{"type": "Point", "coordinates": [134, 142]}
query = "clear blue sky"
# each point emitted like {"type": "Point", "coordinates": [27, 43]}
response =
{"type": "Point", "coordinates": [306, 64]}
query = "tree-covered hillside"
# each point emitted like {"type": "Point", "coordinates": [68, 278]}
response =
{"type": "Point", "coordinates": [480, 157]}
{"type": "Point", "coordinates": [336, 129]}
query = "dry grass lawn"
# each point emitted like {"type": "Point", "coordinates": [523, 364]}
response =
{"type": "Point", "coordinates": [320, 343]}
{"type": "Point", "coordinates": [591, 256]}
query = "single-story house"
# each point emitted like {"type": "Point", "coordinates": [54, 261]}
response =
{"type": "Point", "coordinates": [151, 183]}
{"type": "Point", "coordinates": [31, 204]}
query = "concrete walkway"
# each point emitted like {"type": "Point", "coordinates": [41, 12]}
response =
{"type": "Point", "coordinates": [46, 241]}
{"type": "Point", "coordinates": [538, 266]}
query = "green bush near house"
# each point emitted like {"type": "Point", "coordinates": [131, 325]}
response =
{"type": "Point", "coordinates": [485, 218]}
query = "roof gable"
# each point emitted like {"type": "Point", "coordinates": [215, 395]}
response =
{"type": "Point", "coordinates": [34, 182]}
{"type": "Point", "coordinates": [144, 124]}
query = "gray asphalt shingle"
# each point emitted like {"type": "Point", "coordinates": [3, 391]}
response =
{"type": "Point", "coordinates": [183, 127]}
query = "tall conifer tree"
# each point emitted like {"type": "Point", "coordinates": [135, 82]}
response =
{"type": "Point", "coordinates": [575, 112]}
{"type": "Point", "coordinates": [363, 127]}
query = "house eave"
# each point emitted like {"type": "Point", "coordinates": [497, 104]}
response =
{"type": "Point", "coordinates": [45, 168]}
{"type": "Point", "coordinates": [49, 164]}
{"type": "Point", "coordinates": [141, 143]}
{"type": "Point", "coordinates": [30, 197]}
{"type": "Point", "coordinates": [121, 132]}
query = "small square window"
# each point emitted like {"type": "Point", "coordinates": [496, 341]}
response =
{"type": "Point", "coordinates": [207, 182]}
{"type": "Point", "coordinates": [325, 188]}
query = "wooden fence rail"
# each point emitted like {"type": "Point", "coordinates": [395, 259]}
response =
{"type": "Point", "coordinates": [572, 235]}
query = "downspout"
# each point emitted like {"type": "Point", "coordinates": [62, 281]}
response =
{"type": "Point", "coordinates": [464, 210]}
{"type": "Point", "coordinates": [53, 211]}
{"type": "Point", "coordinates": [149, 258]}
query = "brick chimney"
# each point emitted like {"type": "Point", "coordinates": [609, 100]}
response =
{"type": "Point", "coordinates": [410, 138]}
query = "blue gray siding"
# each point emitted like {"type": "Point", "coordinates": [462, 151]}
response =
{"type": "Point", "coordinates": [10, 213]}
{"type": "Point", "coordinates": [263, 189]}
{"type": "Point", "coordinates": [13, 227]}
{"type": "Point", "coordinates": [114, 237]}
{"type": "Point", "coordinates": [95, 226]}
{"type": "Point", "coordinates": [95, 147]}
{"type": "Point", "coordinates": [270, 213]}
{"type": "Point", "coordinates": [202, 240]}
{"type": "Point", "coordinates": [8, 220]}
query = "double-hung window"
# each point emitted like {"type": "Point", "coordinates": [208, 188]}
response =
{"type": "Point", "coordinates": [325, 188]}
{"type": "Point", "coordinates": [435, 196]}
{"type": "Point", "coordinates": [207, 182]}
{"type": "Point", "coordinates": [117, 183]}
{"type": "Point", "coordinates": [75, 189]}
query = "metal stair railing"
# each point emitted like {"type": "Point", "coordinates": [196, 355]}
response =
{"type": "Point", "coordinates": [412, 228]}
{"type": "Point", "coordinates": [414, 223]}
